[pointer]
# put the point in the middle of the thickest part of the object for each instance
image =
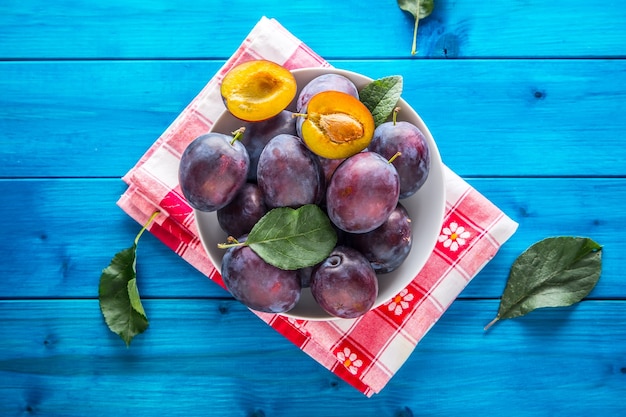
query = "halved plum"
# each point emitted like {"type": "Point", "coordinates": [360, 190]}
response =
{"type": "Point", "coordinates": [257, 90]}
{"type": "Point", "coordinates": [337, 125]}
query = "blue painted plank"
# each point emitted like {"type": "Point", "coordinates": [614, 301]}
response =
{"type": "Point", "coordinates": [215, 358]}
{"type": "Point", "coordinates": [93, 118]}
{"type": "Point", "coordinates": [489, 117]}
{"type": "Point", "coordinates": [66, 231]}
{"type": "Point", "coordinates": [546, 207]}
{"type": "Point", "coordinates": [165, 29]}
{"type": "Point", "coordinates": [69, 231]}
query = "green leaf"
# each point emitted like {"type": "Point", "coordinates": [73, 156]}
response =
{"type": "Point", "coordinates": [118, 295]}
{"type": "Point", "coordinates": [133, 295]}
{"type": "Point", "coordinates": [381, 97]}
{"type": "Point", "coordinates": [119, 298]}
{"type": "Point", "coordinates": [554, 272]}
{"type": "Point", "coordinates": [293, 238]}
{"type": "Point", "coordinates": [419, 9]}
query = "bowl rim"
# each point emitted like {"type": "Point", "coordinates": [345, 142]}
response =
{"type": "Point", "coordinates": [207, 220]}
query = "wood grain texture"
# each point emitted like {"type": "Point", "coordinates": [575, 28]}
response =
{"type": "Point", "coordinates": [72, 229]}
{"type": "Point", "coordinates": [208, 357]}
{"type": "Point", "coordinates": [509, 117]}
{"type": "Point", "coordinates": [166, 29]}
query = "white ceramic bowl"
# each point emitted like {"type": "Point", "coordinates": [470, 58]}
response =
{"type": "Point", "coordinates": [426, 208]}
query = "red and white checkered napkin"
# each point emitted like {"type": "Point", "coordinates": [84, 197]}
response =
{"type": "Point", "coordinates": [365, 352]}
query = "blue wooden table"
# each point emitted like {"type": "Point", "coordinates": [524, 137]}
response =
{"type": "Point", "coordinates": [526, 99]}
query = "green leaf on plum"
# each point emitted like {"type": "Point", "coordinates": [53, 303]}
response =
{"type": "Point", "coordinates": [554, 272]}
{"type": "Point", "coordinates": [419, 9]}
{"type": "Point", "coordinates": [381, 97]}
{"type": "Point", "coordinates": [118, 295]}
{"type": "Point", "coordinates": [293, 238]}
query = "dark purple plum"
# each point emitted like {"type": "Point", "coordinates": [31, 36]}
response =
{"type": "Point", "coordinates": [345, 285]}
{"type": "Point", "coordinates": [258, 134]}
{"type": "Point", "coordinates": [289, 174]}
{"type": "Point", "coordinates": [414, 164]}
{"type": "Point", "coordinates": [325, 82]}
{"type": "Point", "coordinates": [257, 284]}
{"type": "Point", "coordinates": [329, 166]}
{"type": "Point", "coordinates": [212, 170]}
{"type": "Point", "coordinates": [387, 246]}
{"type": "Point", "coordinates": [239, 216]}
{"type": "Point", "coordinates": [362, 192]}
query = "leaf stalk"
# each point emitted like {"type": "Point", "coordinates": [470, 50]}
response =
{"type": "Point", "coordinates": [231, 242]}
{"type": "Point", "coordinates": [145, 226]}
{"type": "Point", "coordinates": [491, 323]}
{"type": "Point", "coordinates": [230, 245]}
{"type": "Point", "coordinates": [417, 19]}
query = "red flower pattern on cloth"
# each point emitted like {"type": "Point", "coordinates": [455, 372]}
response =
{"type": "Point", "coordinates": [364, 352]}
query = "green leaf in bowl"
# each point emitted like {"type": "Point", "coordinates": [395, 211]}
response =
{"type": "Point", "coordinates": [381, 97]}
{"type": "Point", "coordinates": [291, 238]}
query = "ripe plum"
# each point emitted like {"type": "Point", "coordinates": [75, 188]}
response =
{"type": "Point", "coordinates": [345, 285]}
{"type": "Point", "coordinates": [257, 284]}
{"type": "Point", "coordinates": [212, 170]}
{"type": "Point", "coordinates": [387, 246]}
{"type": "Point", "coordinates": [239, 216]}
{"type": "Point", "coordinates": [362, 192]}
{"type": "Point", "coordinates": [289, 174]}
{"type": "Point", "coordinates": [258, 134]}
{"type": "Point", "coordinates": [414, 164]}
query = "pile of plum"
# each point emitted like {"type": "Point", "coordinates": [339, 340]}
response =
{"type": "Point", "coordinates": [271, 163]}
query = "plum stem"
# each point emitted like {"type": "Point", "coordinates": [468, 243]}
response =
{"type": "Point", "coordinates": [394, 156]}
{"type": "Point", "coordinates": [237, 134]}
{"type": "Point", "coordinates": [300, 115]}
{"type": "Point", "coordinates": [395, 115]}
